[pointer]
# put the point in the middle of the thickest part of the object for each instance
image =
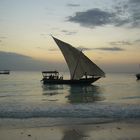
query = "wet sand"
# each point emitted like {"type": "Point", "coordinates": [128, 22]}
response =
{"type": "Point", "coordinates": [108, 131]}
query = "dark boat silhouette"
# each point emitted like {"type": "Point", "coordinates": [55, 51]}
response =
{"type": "Point", "coordinates": [4, 71]}
{"type": "Point", "coordinates": [138, 75]}
{"type": "Point", "coordinates": [82, 69]}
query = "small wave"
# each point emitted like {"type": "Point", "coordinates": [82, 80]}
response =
{"type": "Point", "coordinates": [2, 96]}
{"type": "Point", "coordinates": [71, 111]}
{"type": "Point", "coordinates": [132, 97]}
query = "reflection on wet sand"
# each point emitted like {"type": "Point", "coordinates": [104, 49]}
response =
{"type": "Point", "coordinates": [75, 94]}
{"type": "Point", "coordinates": [73, 135]}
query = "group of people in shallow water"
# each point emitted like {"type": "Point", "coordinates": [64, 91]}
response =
{"type": "Point", "coordinates": [53, 77]}
{"type": "Point", "coordinates": [57, 77]}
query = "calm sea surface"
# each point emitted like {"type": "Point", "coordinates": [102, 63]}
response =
{"type": "Point", "coordinates": [22, 96]}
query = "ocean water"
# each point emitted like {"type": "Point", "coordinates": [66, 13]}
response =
{"type": "Point", "coordinates": [24, 97]}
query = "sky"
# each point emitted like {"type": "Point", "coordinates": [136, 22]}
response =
{"type": "Point", "coordinates": [108, 30]}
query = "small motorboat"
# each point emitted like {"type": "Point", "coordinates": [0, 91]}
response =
{"type": "Point", "coordinates": [4, 71]}
{"type": "Point", "coordinates": [138, 76]}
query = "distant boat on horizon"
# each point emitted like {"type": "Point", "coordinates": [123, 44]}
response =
{"type": "Point", "coordinates": [138, 74]}
{"type": "Point", "coordinates": [82, 69]}
{"type": "Point", "coordinates": [4, 71]}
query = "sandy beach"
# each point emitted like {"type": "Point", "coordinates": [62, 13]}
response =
{"type": "Point", "coordinates": [129, 130]}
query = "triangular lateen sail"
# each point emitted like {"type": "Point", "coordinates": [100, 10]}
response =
{"type": "Point", "coordinates": [78, 63]}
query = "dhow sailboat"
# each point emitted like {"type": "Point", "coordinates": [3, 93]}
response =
{"type": "Point", "coordinates": [82, 70]}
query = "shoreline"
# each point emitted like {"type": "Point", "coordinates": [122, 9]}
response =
{"type": "Point", "coordinates": [120, 130]}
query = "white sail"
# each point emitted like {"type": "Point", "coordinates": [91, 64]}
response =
{"type": "Point", "coordinates": [78, 63]}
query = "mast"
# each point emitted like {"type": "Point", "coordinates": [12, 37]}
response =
{"type": "Point", "coordinates": [76, 64]}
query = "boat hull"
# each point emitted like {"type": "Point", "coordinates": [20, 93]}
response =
{"type": "Point", "coordinates": [138, 76]}
{"type": "Point", "coordinates": [71, 82]}
{"type": "Point", "coordinates": [4, 72]}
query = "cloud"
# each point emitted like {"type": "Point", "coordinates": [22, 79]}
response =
{"type": "Point", "coordinates": [124, 43]}
{"type": "Point", "coordinates": [9, 60]}
{"type": "Point", "coordinates": [101, 48]}
{"type": "Point", "coordinates": [121, 43]}
{"type": "Point", "coordinates": [135, 1]}
{"type": "Point", "coordinates": [15, 61]}
{"type": "Point", "coordinates": [73, 5]}
{"type": "Point", "coordinates": [110, 49]}
{"type": "Point", "coordinates": [134, 8]}
{"type": "Point", "coordinates": [53, 50]}
{"type": "Point", "coordinates": [68, 32]}
{"type": "Point", "coordinates": [124, 13]}
{"type": "Point", "coordinates": [92, 18]}
{"type": "Point", "coordinates": [96, 17]}
{"type": "Point", "coordinates": [137, 41]}
{"type": "Point", "coordinates": [128, 13]}
{"type": "Point", "coordinates": [3, 37]}
{"type": "Point", "coordinates": [41, 48]}
{"type": "Point", "coordinates": [44, 35]}
{"type": "Point", "coordinates": [81, 48]}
